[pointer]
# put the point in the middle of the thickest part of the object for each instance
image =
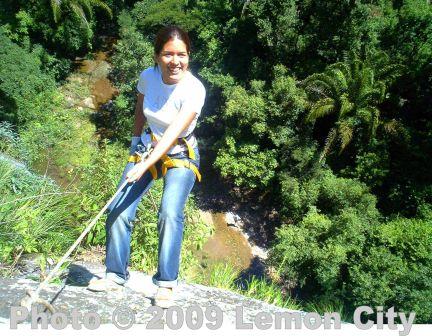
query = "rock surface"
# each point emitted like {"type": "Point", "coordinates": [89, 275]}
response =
{"type": "Point", "coordinates": [73, 294]}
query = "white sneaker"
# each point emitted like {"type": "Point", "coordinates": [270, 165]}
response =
{"type": "Point", "coordinates": [141, 283]}
{"type": "Point", "coordinates": [103, 285]}
{"type": "Point", "coordinates": [164, 297]}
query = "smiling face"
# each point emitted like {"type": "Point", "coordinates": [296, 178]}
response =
{"type": "Point", "coordinates": [173, 61]}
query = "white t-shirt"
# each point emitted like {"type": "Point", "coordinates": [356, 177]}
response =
{"type": "Point", "coordinates": [162, 102]}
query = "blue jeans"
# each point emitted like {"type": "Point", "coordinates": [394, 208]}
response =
{"type": "Point", "coordinates": [178, 183]}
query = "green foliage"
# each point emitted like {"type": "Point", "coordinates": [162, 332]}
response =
{"type": "Point", "coordinates": [196, 234]}
{"type": "Point", "coordinates": [351, 255]}
{"type": "Point", "coordinates": [334, 214]}
{"type": "Point", "coordinates": [21, 82]}
{"type": "Point", "coordinates": [57, 68]}
{"type": "Point", "coordinates": [371, 167]}
{"type": "Point", "coordinates": [35, 215]}
{"type": "Point", "coordinates": [8, 139]}
{"type": "Point", "coordinates": [99, 179]}
{"type": "Point", "coordinates": [267, 291]}
{"type": "Point", "coordinates": [410, 38]}
{"type": "Point", "coordinates": [327, 192]}
{"type": "Point", "coordinates": [307, 36]}
{"type": "Point", "coordinates": [336, 194]}
{"type": "Point", "coordinates": [219, 33]}
{"type": "Point", "coordinates": [225, 276]}
{"type": "Point", "coordinates": [132, 54]}
{"type": "Point", "coordinates": [329, 305]}
{"type": "Point", "coordinates": [50, 127]}
{"type": "Point", "coordinates": [150, 15]}
{"type": "Point", "coordinates": [262, 129]}
{"type": "Point", "coordinates": [65, 32]}
{"type": "Point", "coordinates": [398, 264]}
{"type": "Point", "coordinates": [249, 165]}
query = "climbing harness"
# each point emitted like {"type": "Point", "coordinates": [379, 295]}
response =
{"type": "Point", "coordinates": [166, 161]}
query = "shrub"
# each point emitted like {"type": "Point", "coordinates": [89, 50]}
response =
{"type": "Point", "coordinates": [35, 215]}
{"type": "Point", "coordinates": [343, 249]}
{"type": "Point", "coordinates": [262, 131]}
{"type": "Point", "coordinates": [396, 270]}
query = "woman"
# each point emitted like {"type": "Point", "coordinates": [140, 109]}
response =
{"type": "Point", "coordinates": [170, 99]}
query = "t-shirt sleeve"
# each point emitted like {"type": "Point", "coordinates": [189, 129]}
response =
{"type": "Point", "coordinates": [142, 82]}
{"type": "Point", "coordinates": [195, 99]}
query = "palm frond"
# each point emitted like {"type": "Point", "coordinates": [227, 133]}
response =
{"type": "Point", "coordinates": [81, 8]}
{"type": "Point", "coordinates": [383, 68]}
{"type": "Point", "coordinates": [356, 82]}
{"type": "Point", "coordinates": [367, 79]}
{"type": "Point", "coordinates": [78, 11]}
{"type": "Point", "coordinates": [381, 89]}
{"type": "Point", "coordinates": [356, 67]}
{"type": "Point", "coordinates": [339, 78]}
{"type": "Point", "coordinates": [319, 88]}
{"type": "Point", "coordinates": [390, 72]}
{"type": "Point", "coordinates": [104, 6]}
{"type": "Point", "coordinates": [344, 68]}
{"type": "Point", "coordinates": [374, 96]}
{"type": "Point", "coordinates": [86, 6]}
{"type": "Point", "coordinates": [328, 144]}
{"type": "Point", "coordinates": [345, 106]}
{"type": "Point", "coordinates": [377, 59]}
{"type": "Point", "coordinates": [56, 8]}
{"type": "Point", "coordinates": [320, 79]}
{"type": "Point", "coordinates": [370, 116]}
{"type": "Point", "coordinates": [346, 131]}
{"type": "Point", "coordinates": [321, 108]}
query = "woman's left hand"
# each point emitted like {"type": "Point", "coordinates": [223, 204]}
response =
{"type": "Point", "coordinates": [136, 172]}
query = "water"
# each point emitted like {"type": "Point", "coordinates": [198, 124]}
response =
{"type": "Point", "coordinates": [225, 245]}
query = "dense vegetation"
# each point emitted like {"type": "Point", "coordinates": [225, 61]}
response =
{"type": "Point", "coordinates": [322, 109]}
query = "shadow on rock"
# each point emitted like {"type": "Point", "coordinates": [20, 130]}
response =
{"type": "Point", "coordinates": [79, 276]}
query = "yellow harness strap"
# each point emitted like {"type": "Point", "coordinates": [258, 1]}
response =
{"type": "Point", "coordinates": [136, 158]}
{"type": "Point", "coordinates": [168, 162]}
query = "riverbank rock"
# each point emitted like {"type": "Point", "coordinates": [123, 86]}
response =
{"type": "Point", "coordinates": [88, 102]}
{"type": "Point", "coordinates": [234, 220]}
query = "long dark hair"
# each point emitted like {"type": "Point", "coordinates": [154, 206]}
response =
{"type": "Point", "coordinates": [170, 32]}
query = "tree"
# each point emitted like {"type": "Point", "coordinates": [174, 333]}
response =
{"type": "Point", "coordinates": [353, 90]}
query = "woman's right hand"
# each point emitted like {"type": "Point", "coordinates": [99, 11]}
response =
{"type": "Point", "coordinates": [136, 172]}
